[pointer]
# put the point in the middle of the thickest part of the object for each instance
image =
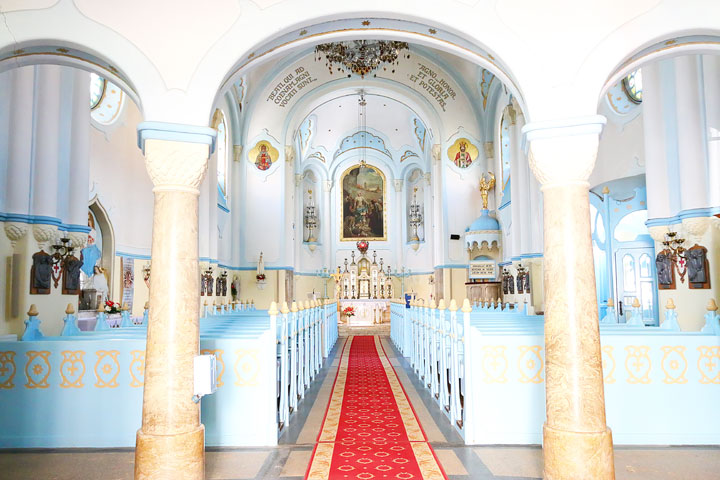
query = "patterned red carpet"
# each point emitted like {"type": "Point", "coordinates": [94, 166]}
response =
{"type": "Point", "coordinates": [370, 430]}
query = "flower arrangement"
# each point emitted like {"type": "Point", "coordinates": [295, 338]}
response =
{"type": "Point", "coordinates": [260, 277]}
{"type": "Point", "coordinates": [112, 307]}
{"type": "Point", "coordinates": [349, 311]}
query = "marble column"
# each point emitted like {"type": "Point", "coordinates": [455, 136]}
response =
{"type": "Point", "coordinates": [171, 441]}
{"type": "Point", "coordinates": [577, 444]}
{"type": "Point", "coordinates": [690, 132]}
{"type": "Point", "coordinates": [711, 81]}
{"type": "Point", "coordinates": [47, 141]}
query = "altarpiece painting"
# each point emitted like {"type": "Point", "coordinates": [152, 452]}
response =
{"type": "Point", "coordinates": [363, 204]}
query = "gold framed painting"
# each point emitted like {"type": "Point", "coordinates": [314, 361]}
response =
{"type": "Point", "coordinates": [363, 213]}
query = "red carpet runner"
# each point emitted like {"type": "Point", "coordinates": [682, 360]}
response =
{"type": "Point", "coordinates": [370, 429]}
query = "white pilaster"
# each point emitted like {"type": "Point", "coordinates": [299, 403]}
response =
{"type": "Point", "coordinates": [523, 193]}
{"type": "Point", "coordinates": [79, 150]}
{"type": "Point", "coordinates": [690, 132]}
{"type": "Point", "coordinates": [516, 228]}
{"type": "Point", "coordinates": [400, 240]}
{"type": "Point", "coordinates": [325, 226]}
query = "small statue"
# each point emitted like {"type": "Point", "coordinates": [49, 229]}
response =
{"type": "Point", "coordinates": [41, 273]}
{"type": "Point", "coordinates": [511, 284]}
{"type": "Point", "coordinates": [485, 187]}
{"type": "Point", "coordinates": [526, 281]}
{"type": "Point", "coordinates": [696, 265]}
{"type": "Point", "coordinates": [71, 276]}
{"type": "Point", "coordinates": [663, 264]}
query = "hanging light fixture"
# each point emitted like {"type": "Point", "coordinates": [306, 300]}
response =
{"type": "Point", "coordinates": [362, 125]}
{"type": "Point", "coordinates": [360, 56]}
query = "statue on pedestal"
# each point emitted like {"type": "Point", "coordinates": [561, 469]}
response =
{"type": "Point", "coordinates": [485, 187]}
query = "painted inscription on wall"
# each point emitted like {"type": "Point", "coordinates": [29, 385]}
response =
{"type": "Point", "coordinates": [289, 86]}
{"type": "Point", "coordinates": [435, 85]}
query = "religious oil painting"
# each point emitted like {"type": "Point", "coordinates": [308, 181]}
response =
{"type": "Point", "coordinates": [263, 155]}
{"type": "Point", "coordinates": [462, 153]}
{"type": "Point", "coordinates": [363, 202]}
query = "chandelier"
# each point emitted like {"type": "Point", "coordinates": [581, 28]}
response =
{"type": "Point", "coordinates": [360, 56]}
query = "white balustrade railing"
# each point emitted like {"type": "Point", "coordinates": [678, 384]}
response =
{"type": "Point", "coordinates": [464, 356]}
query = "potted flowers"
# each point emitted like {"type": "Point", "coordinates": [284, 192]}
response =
{"type": "Point", "coordinates": [113, 311]}
{"type": "Point", "coordinates": [348, 312]}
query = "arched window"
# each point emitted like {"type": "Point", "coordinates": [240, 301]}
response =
{"type": "Point", "coordinates": [632, 84]}
{"type": "Point", "coordinates": [222, 154]}
{"type": "Point", "coordinates": [97, 90]}
{"type": "Point", "coordinates": [631, 226]}
{"type": "Point", "coordinates": [106, 100]}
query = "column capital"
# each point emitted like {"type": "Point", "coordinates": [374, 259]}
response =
{"type": "Point", "coordinates": [489, 149]}
{"type": "Point", "coordinates": [563, 151]}
{"type": "Point", "coordinates": [398, 182]}
{"type": "Point", "coordinates": [176, 165]}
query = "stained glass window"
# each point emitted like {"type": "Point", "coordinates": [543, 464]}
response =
{"type": "Point", "coordinates": [97, 90]}
{"type": "Point", "coordinates": [632, 84]}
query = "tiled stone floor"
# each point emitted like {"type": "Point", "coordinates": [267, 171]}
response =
{"type": "Point", "coordinates": [289, 460]}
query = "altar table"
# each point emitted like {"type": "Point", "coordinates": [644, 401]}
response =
{"type": "Point", "coordinates": [368, 311]}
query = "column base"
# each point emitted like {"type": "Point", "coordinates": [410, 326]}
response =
{"type": "Point", "coordinates": [577, 455]}
{"type": "Point", "coordinates": [171, 457]}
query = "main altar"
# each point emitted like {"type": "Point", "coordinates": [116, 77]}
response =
{"type": "Point", "coordinates": [365, 286]}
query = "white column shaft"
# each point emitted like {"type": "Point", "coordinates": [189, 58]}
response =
{"type": "Point", "coordinates": [711, 80]}
{"type": "Point", "coordinates": [80, 149]}
{"type": "Point", "coordinates": [46, 138]}
{"type": "Point", "coordinates": [656, 168]}
{"type": "Point", "coordinates": [690, 132]}
{"type": "Point", "coordinates": [20, 140]}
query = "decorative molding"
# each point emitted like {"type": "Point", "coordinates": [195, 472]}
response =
{"type": "Point", "coordinates": [489, 150]}
{"type": "Point", "coordinates": [485, 83]}
{"type": "Point", "coordinates": [78, 239]}
{"type": "Point", "coordinates": [408, 154]}
{"type": "Point", "coordinates": [317, 155]}
{"type": "Point", "coordinates": [15, 232]}
{"type": "Point", "coordinates": [289, 153]}
{"type": "Point", "coordinates": [398, 183]}
{"type": "Point", "coordinates": [237, 153]}
{"type": "Point", "coordinates": [44, 235]}
{"type": "Point", "coordinates": [420, 132]}
{"type": "Point", "coordinates": [178, 133]}
{"type": "Point", "coordinates": [428, 177]}
{"type": "Point", "coordinates": [437, 152]}
{"type": "Point", "coordinates": [564, 151]}
{"type": "Point", "coordinates": [362, 139]}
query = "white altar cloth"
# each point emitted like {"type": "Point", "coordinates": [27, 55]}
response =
{"type": "Point", "coordinates": [368, 311]}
